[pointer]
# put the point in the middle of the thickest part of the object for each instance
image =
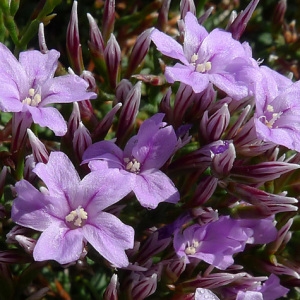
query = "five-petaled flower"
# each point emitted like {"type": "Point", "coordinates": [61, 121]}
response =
{"type": "Point", "coordinates": [139, 164]}
{"type": "Point", "coordinates": [70, 213]}
{"type": "Point", "coordinates": [30, 87]}
{"type": "Point", "coordinates": [208, 57]}
{"type": "Point", "coordinates": [277, 110]}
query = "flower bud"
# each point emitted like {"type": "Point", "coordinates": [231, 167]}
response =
{"type": "Point", "coordinates": [81, 140]}
{"type": "Point", "coordinates": [185, 6]}
{"type": "Point", "coordinates": [42, 41]}
{"type": "Point", "coordinates": [39, 150]}
{"type": "Point", "coordinates": [204, 190]}
{"type": "Point", "coordinates": [111, 292]}
{"type": "Point", "coordinates": [112, 55]}
{"type": "Point", "coordinates": [238, 26]}
{"type": "Point", "coordinates": [174, 269]}
{"type": "Point", "coordinates": [206, 15]}
{"type": "Point", "coordinates": [139, 51]}
{"type": "Point", "coordinates": [73, 42]}
{"type": "Point", "coordinates": [278, 14]}
{"type": "Point", "coordinates": [162, 19]}
{"type": "Point", "coordinates": [128, 113]}
{"type": "Point", "coordinates": [108, 19]}
{"type": "Point", "coordinates": [122, 90]}
{"type": "Point", "coordinates": [144, 287]}
{"type": "Point", "coordinates": [26, 243]}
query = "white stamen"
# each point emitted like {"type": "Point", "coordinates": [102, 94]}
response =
{"type": "Point", "coordinates": [201, 68]}
{"type": "Point", "coordinates": [275, 117]}
{"type": "Point", "coordinates": [194, 58]}
{"type": "Point", "coordinates": [77, 216]}
{"type": "Point", "coordinates": [132, 165]}
{"type": "Point", "coordinates": [192, 249]}
{"type": "Point", "coordinates": [34, 98]}
{"type": "Point", "coordinates": [270, 108]}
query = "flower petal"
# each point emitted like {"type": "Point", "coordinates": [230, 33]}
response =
{"type": "Point", "coordinates": [193, 36]}
{"type": "Point", "coordinates": [48, 117]}
{"type": "Point", "coordinates": [28, 208]}
{"type": "Point", "coordinates": [153, 187]}
{"type": "Point", "coordinates": [59, 175]}
{"type": "Point", "coordinates": [168, 46]}
{"type": "Point", "coordinates": [65, 89]}
{"type": "Point", "coordinates": [99, 189]}
{"type": "Point", "coordinates": [38, 66]}
{"type": "Point", "coordinates": [110, 237]}
{"type": "Point", "coordinates": [59, 243]}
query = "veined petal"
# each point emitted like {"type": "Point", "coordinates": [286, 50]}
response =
{"type": "Point", "coordinates": [59, 243]}
{"type": "Point", "coordinates": [13, 76]}
{"type": "Point", "coordinates": [99, 189]}
{"type": "Point", "coordinates": [38, 66]}
{"type": "Point", "coordinates": [59, 175]}
{"type": "Point", "coordinates": [48, 117]}
{"type": "Point", "coordinates": [153, 187]}
{"type": "Point", "coordinates": [110, 237]}
{"type": "Point", "coordinates": [65, 89]}
{"type": "Point", "coordinates": [28, 208]}
{"type": "Point", "coordinates": [187, 75]}
{"type": "Point", "coordinates": [168, 46]}
{"type": "Point", "coordinates": [193, 36]}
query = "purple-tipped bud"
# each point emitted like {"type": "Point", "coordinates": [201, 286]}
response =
{"type": "Point", "coordinates": [278, 15]}
{"type": "Point", "coordinates": [16, 230]}
{"type": "Point", "coordinates": [103, 127]}
{"type": "Point", "coordinates": [111, 292]}
{"type": "Point", "coordinates": [139, 51]}
{"type": "Point", "coordinates": [73, 42]}
{"type": "Point", "coordinates": [112, 55]}
{"type": "Point", "coordinates": [212, 128]}
{"type": "Point", "coordinates": [128, 113]}
{"type": "Point", "coordinates": [163, 14]}
{"type": "Point", "coordinates": [281, 269]}
{"type": "Point", "coordinates": [184, 98]}
{"type": "Point", "coordinates": [175, 268]}
{"type": "Point", "coordinates": [39, 150]}
{"type": "Point", "coordinates": [2, 180]}
{"type": "Point", "coordinates": [108, 19]}
{"type": "Point", "coordinates": [28, 167]}
{"type": "Point", "coordinates": [144, 287]}
{"type": "Point", "coordinates": [283, 237]}
{"type": "Point", "coordinates": [122, 90]}
{"type": "Point", "coordinates": [81, 140]}
{"type": "Point", "coordinates": [204, 190]}
{"type": "Point", "coordinates": [165, 106]}
{"type": "Point", "coordinates": [262, 172]}
{"type": "Point", "coordinates": [205, 215]}
{"type": "Point", "coordinates": [42, 40]}
{"type": "Point", "coordinates": [74, 119]}
{"type": "Point", "coordinates": [96, 39]}
{"type": "Point", "coordinates": [152, 246]}
{"type": "Point", "coordinates": [26, 243]}
{"type": "Point", "coordinates": [222, 159]}
{"type": "Point", "coordinates": [238, 26]}
{"type": "Point", "coordinates": [90, 79]}
{"type": "Point", "coordinates": [271, 203]}
{"type": "Point", "coordinates": [185, 6]}
{"type": "Point", "coordinates": [206, 15]}
{"type": "Point", "coordinates": [14, 257]}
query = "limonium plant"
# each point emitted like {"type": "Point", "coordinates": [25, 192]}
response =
{"type": "Point", "coordinates": [152, 154]}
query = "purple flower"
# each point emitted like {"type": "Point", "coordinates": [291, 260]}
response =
{"type": "Point", "coordinates": [70, 213]}
{"type": "Point", "coordinates": [207, 57]}
{"type": "Point", "coordinates": [30, 87]}
{"type": "Point", "coordinates": [215, 242]}
{"type": "Point", "coordinates": [138, 166]}
{"type": "Point", "coordinates": [278, 110]}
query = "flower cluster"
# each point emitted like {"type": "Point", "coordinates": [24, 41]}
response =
{"type": "Point", "coordinates": [123, 180]}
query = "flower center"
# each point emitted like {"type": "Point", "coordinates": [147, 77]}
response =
{"type": "Point", "coordinates": [33, 99]}
{"type": "Point", "coordinates": [274, 116]}
{"type": "Point", "coordinates": [132, 165]}
{"type": "Point", "coordinates": [77, 216]}
{"type": "Point", "coordinates": [192, 248]}
{"type": "Point", "coordinates": [202, 67]}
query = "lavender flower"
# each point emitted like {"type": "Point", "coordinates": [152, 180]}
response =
{"type": "Point", "coordinates": [216, 242]}
{"type": "Point", "coordinates": [30, 87]}
{"type": "Point", "coordinates": [70, 213]}
{"type": "Point", "coordinates": [138, 166]}
{"type": "Point", "coordinates": [215, 57]}
{"type": "Point", "coordinates": [278, 110]}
